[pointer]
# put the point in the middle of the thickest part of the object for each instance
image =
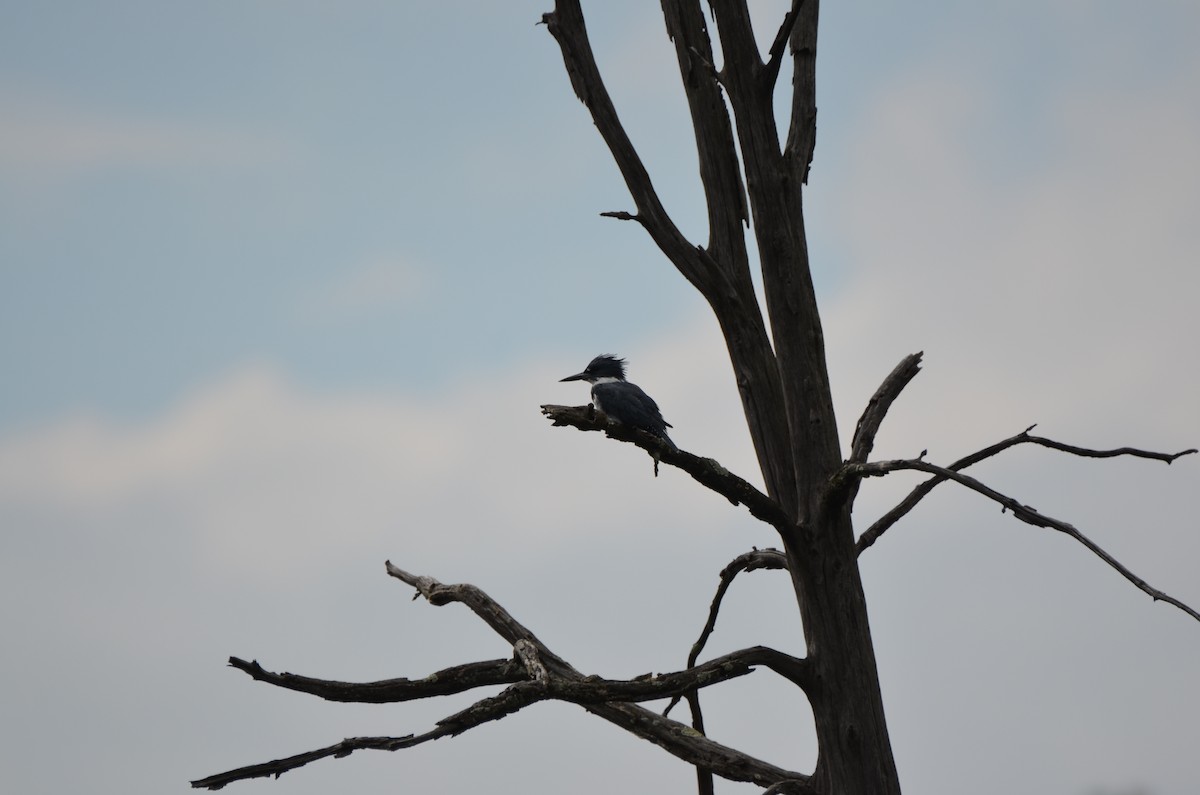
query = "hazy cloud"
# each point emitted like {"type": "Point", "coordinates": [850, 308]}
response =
{"type": "Point", "coordinates": [45, 139]}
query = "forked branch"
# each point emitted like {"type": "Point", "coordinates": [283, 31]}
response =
{"type": "Point", "coordinates": [1023, 512]}
{"type": "Point", "coordinates": [566, 25]}
{"type": "Point", "coordinates": [533, 674]}
{"type": "Point", "coordinates": [775, 54]}
{"type": "Point", "coordinates": [883, 523]}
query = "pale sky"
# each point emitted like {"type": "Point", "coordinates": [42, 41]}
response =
{"type": "Point", "coordinates": [283, 284]}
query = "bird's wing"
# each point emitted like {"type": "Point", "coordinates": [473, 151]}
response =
{"type": "Point", "coordinates": [627, 403]}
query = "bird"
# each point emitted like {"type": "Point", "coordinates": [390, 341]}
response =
{"type": "Point", "coordinates": [620, 400]}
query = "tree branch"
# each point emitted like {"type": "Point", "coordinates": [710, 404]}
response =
{"type": "Point", "coordinates": [775, 54]}
{"type": "Point", "coordinates": [774, 185]}
{"type": "Point", "coordinates": [795, 670]}
{"type": "Point", "coordinates": [1023, 512]}
{"type": "Point", "coordinates": [720, 174]}
{"type": "Point", "coordinates": [448, 681]}
{"type": "Point", "coordinates": [694, 748]}
{"type": "Point", "coordinates": [567, 26]}
{"type": "Point", "coordinates": [883, 523]}
{"type": "Point", "coordinates": [878, 405]}
{"type": "Point", "coordinates": [802, 128]}
{"type": "Point", "coordinates": [531, 670]}
{"type": "Point", "coordinates": [541, 675]}
{"type": "Point", "coordinates": [747, 561]}
{"type": "Point", "coordinates": [510, 700]}
{"type": "Point", "coordinates": [674, 737]}
{"type": "Point", "coordinates": [704, 470]}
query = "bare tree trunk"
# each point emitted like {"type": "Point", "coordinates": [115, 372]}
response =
{"type": "Point", "coordinates": [785, 387]}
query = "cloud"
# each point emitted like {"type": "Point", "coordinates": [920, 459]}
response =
{"type": "Point", "coordinates": [46, 139]}
{"type": "Point", "coordinates": [381, 284]}
{"type": "Point", "coordinates": [1073, 283]}
{"type": "Point", "coordinates": [251, 464]}
{"type": "Point", "coordinates": [253, 516]}
{"type": "Point", "coordinates": [256, 508]}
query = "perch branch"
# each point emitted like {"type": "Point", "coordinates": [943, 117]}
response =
{"type": "Point", "coordinates": [1023, 512]}
{"type": "Point", "coordinates": [704, 470]}
{"type": "Point", "coordinates": [883, 523]}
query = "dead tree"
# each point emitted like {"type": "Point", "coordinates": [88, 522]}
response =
{"type": "Point", "coordinates": [754, 176]}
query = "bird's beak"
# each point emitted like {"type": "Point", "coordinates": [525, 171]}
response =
{"type": "Point", "coordinates": [576, 377]}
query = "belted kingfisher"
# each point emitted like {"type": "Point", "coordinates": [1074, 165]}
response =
{"type": "Point", "coordinates": [622, 401]}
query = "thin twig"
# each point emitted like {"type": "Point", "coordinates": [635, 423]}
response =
{"type": "Point", "coordinates": [704, 777]}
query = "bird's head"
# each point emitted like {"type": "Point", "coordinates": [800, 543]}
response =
{"type": "Point", "coordinates": [603, 367]}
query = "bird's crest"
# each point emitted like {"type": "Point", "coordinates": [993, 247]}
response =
{"type": "Point", "coordinates": [608, 366]}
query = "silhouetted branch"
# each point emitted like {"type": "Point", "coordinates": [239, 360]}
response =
{"type": "Point", "coordinates": [747, 561]}
{"type": "Point", "coordinates": [567, 26]}
{"type": "Point", "coordinates": [1023, 512]}
{"type": "Point", "coordinates": [775, 54]}
{"type": "Point", "coordinates": [696, 749]}
{"type": "Point", "coordinates": [620, 215]}
{"type": "Point", "coordinates": [510, 700]}
{"type": "Point", "coordinates": [534, 674]}
{"type": "Point", "coordinates": [528, 667]}
{"type": "Point", "coordinates": [278, 767]}
{"type": "Point", "coordinates": [674, 737]}
{"type": "Point", "coordinates": [878, 405]}
{"type": "Point", "coordinates": [1120, 451]}
{"type": "Point", "coordinates": [705, 470]}
{"type": "Point", "coordinates": [883, 523]}
{"type": "Point", "coordinates": [802, 126]}
{"type": "Point", "coordinates": [447, 681]}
